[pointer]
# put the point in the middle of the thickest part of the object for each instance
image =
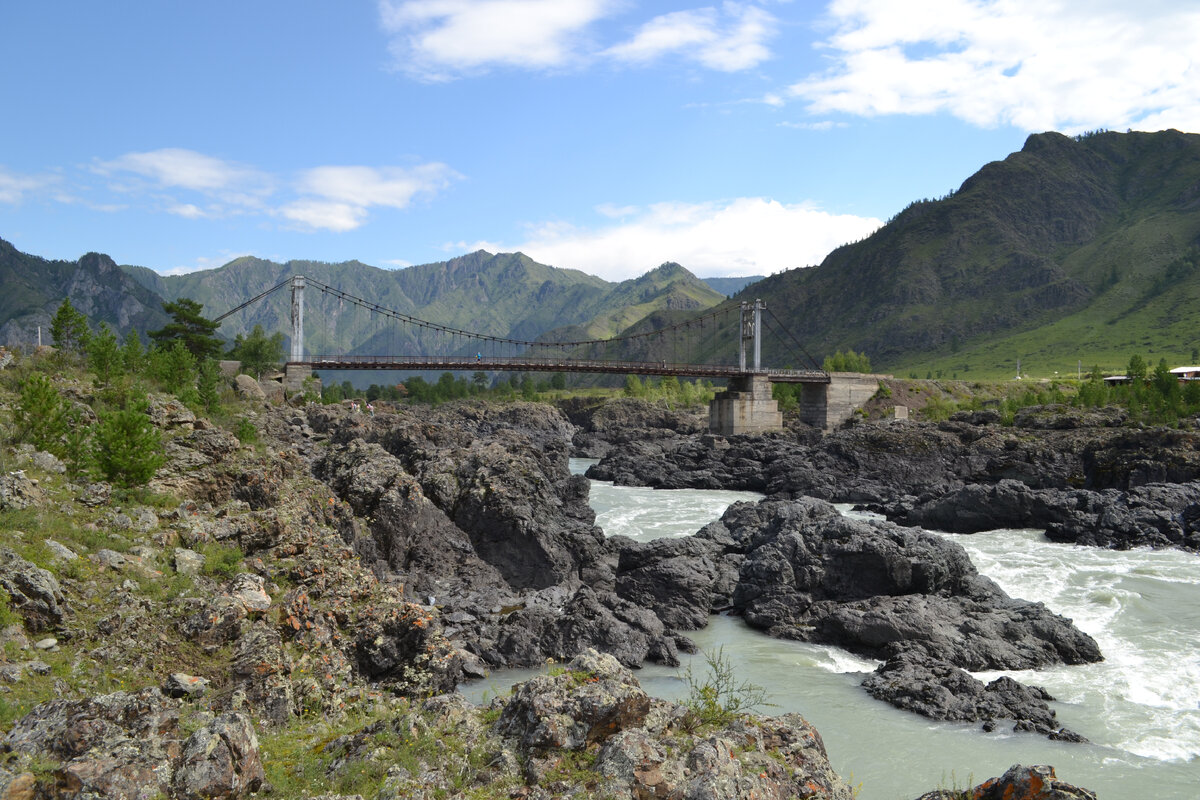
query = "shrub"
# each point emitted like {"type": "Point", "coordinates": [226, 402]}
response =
{"type": "Point", "coordinates": [717, 698]}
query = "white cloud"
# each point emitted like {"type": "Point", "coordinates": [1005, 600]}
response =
{"type": "Point", "coordinates": [698, 35]}
{"type": "Point", "coordinates": [333, 198]}
{"type": "Point", "coordinates": [444, 39]}
{"type": "Point", "coordinates": [177, 168]}
{"type": "Point", "coordinates": [1032, 64]}
{"type": "Point", "coordinates": [746, 236]}
{"type": "Point", "coordinates": [327, 215]}
{"type": "Point", "coordinates": [14, 188]}
{"type": "Point", "coordinates": [338, 198]}
{"type": "Point", "coordinates": [436, 39]}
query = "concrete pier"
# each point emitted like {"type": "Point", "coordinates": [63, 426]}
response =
{"type": "Point", "coordinates": [745, 407]}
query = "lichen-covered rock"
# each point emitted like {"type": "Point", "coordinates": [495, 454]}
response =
{"type": "Point", "coordinates": [33, 592]}
{"type": "Point", "coordinates": [220, 760]}
{"type": "Point", "coordinates": [1018, 783]}
{"type": "Point", "coordinates": [17, 491]}
{"type": "Point", "coordinates": [592, 699]}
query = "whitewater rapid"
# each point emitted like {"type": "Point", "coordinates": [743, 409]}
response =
{"type": "Point", "coordinates": [1140, 707]}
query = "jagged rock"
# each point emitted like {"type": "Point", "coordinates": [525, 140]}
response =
{"type": "Point", "coordinates": [1151, 515]}
{"type": "Point", "coordinates": [220, 760]}
{"type": "Point", "coordinates": [95, 494]}
{"type": "Point", "coordinates": [33, 592]}
{"type": "Point", "coordinates": [587, 619]}
{"type": "Point", "coordinates": [188, 562]}
{"type": "Point", "coordinates": [260, 668]}
{"type": "Point", "coordinates": [17, 491]}
{"type": "Point", "coordinates": [1018, 783]}
{"type": "Point", "coordinates": [593, 699]}
{"type": "Point", "coordinates": [387, 649]}
{"type": "Point", "coordinates": [132, 745]}
{"type": "Point", "coordinates": [935, 689]}
{"type": "Point", "coordinates": [875, 588]}
{"type": "Point", "coordinates": [676, 577]}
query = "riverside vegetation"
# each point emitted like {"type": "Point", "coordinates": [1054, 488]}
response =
{"type": "Point", "coordinates": [219, 615]}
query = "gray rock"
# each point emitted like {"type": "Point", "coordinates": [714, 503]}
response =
{"type": "Point", "coordinates": [594, 698]}
{"type": "Point", "coordinates": [33, 592]}
{"type": "Point", "coordinates": [220, 760]}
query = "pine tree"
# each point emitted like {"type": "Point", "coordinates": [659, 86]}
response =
{"type": "Point", "coordinates": [128, 447]}
{"type": "Point", "coordinates": [188, 326]}
{"type": "Point", "coordinates": [69, 328]}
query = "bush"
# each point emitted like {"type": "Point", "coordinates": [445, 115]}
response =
{"type": "Point", "coordinates": [718, 698]}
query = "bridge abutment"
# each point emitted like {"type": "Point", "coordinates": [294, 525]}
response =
{"type": "Point", "coordinates": [745, 407]}
{"type": "Point", "coordinates": [826, 406]}
{"type": "Point", "coordinates": [294, 376]}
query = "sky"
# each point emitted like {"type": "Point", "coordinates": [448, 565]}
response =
{"type": "Point", "coordinates": [735, 138]}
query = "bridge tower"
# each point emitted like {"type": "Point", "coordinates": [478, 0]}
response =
{"type": "Point", "coordinates": [296, 374]}
{"type": "Point", "coordinates": [747, 405]}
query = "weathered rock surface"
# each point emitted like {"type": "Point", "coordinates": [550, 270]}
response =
{"type": "Point", "coordinates": [33, 592]}
{"type": "Point", "coordinates": [133, 745]}
{"type": "Point", "coordinates": [803, 571]}
{"type": "Point", "coordinates": [475, 509]}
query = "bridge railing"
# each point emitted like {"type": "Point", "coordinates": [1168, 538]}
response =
{"type": "Point", "coordinates": [547, 364]}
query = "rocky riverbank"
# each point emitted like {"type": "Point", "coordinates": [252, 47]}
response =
{"type": "Point", "coordinates": [314, 584]}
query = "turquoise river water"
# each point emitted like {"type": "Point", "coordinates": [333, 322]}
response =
{"type": "Point", "coordinates": [1140, 707]}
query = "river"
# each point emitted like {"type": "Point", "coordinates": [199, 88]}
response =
{"type": "Point", "coordinates": [1140, 707]}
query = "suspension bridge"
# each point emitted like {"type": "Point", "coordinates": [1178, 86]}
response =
{"type": "Point", "coordinates": [677, 349]}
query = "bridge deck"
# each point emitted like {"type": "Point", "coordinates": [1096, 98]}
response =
{"type": "Point", "coordinates": [525, 364]}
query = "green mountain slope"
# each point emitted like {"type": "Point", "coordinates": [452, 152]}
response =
{"type": "Point", "coordinates": [1071, 250]}
{"type": "Point", "coordinates": [33, 289]}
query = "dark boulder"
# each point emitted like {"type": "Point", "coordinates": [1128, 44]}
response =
{"type": "Point", "coordinates": [915, 682]}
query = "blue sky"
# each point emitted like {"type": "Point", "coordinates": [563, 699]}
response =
{"type": "Point", "coordinates": [735, 138]}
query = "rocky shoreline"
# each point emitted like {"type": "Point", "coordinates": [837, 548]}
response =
{"type": "Point", "coordinates": [392, 556]}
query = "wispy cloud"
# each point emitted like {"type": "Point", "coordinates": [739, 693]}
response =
{"type": "Point", "coordinates": [1028, 63]}
{"type": "Point", "coordinates": [730, 39]}
{"type": "Point", "coordinates": [746, 236]}
{"type": "Point", "coordinates": [339, 198]}
{"type": "Point", "coordinates": [437, 39]}
{"type": "Point", "coordinates": [445, 39]}
{"type": "Point", "coordinates": [194, 185]}
{"type": "Point", "coordinates": [15, 187]}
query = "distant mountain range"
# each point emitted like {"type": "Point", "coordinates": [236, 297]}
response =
{"type": "Point", "coordinates": [1071, 252]}
{"type": "Point", "coordinates": [508, 295]}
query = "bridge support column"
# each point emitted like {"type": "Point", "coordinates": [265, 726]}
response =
{"type": "Point", "coordinates": [745, 407]}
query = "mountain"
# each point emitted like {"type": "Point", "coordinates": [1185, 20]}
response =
{"type": "Point", "coordinates": [34, 288]}
{"type": "Point", "coordinates": [1072, 250]}
{"type": "Point", "coordinates": [506, 296]}
{"type": "Point", "coordinates": [729, 286]}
